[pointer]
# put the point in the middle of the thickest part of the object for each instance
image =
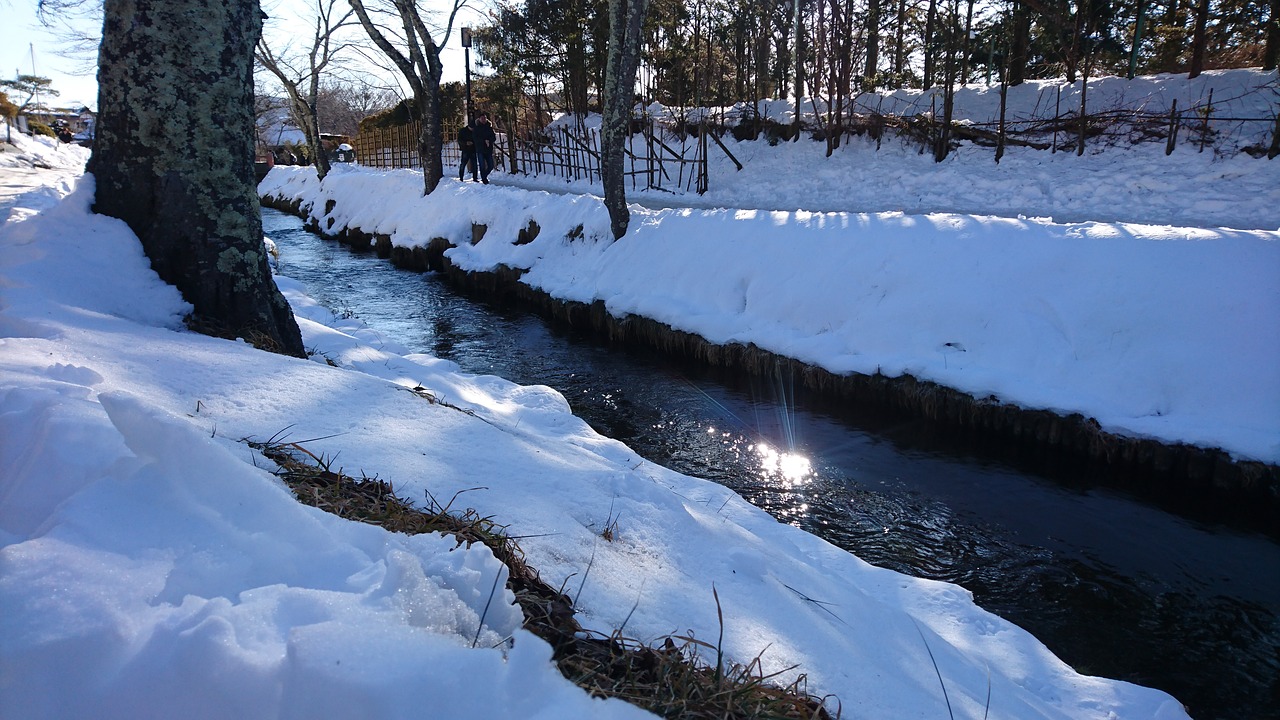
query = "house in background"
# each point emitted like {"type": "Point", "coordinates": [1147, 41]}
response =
{"type": "Point", "coordinates": [280, 142]}
{"type": "Point", "coordinates": [74, 122]}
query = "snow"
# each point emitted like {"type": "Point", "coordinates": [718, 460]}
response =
{"type": "Point", "coordinates": [1220, 186]}
{"type": "Point", "coordinates": [151, 565]}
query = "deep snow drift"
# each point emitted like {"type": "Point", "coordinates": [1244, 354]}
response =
{"type": "Point", "coordinates": [151, 566]}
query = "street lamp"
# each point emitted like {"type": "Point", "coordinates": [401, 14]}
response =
{"type": "Point", "coordinates": [466, 48]}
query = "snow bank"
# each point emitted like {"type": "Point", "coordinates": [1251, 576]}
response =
{"type": "Point", "coordinates": [1155, 331]}
{"type": "Point", "coordinates": [1138, 183]}
{"type": "Point", "coordinates": [37, 166]}
{"type": "Point", "coordinates": [39, 151]}
{"type": "Point", "coordinates": [151, 566]}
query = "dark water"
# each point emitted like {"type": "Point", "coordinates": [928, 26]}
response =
{"type": "Point", "coordinates": [1114, 586]}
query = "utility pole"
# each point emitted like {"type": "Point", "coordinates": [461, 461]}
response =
{"type": "Point", "coordinates": [32, 48]}
{"type": "Point", "coordinates": [466, 51]}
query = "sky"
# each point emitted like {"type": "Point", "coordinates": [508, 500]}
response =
{"type": "Point", "coordinates": [22, 36]}
{"type": "Point", "coordinates": [151, 565]}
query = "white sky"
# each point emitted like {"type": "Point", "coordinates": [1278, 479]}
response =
{"type": "Point", "coordinates": [22, 36]}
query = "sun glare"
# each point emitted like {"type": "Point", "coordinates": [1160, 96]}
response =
{"type": "Point", "coordinates": [791, 468]}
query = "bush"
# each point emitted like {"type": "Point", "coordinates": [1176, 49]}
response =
{"type": "Point", "coordinates": [39, 128]}
{"type": "Point", "coordinates": [7, 109]}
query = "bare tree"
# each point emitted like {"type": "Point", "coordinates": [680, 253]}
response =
{"type": "Point", "coordinates": [173, 158]}
{"type": "Point", "coordinates": [626, 20]}
{"type": "Point", "coordinates": [343, 103]}
{"type": "Point", "coordinates": [420, 65]}
{"type": "Point", "coordinates": [300, 75]}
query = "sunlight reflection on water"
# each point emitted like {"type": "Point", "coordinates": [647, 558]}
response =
{"type": "Point", "coordinates": [792, 469]}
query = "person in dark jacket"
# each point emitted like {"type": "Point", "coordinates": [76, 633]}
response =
{"type": "Point", "coordinates": [467, 147]}
{"type": "Point", "coordinates": [485, 140]}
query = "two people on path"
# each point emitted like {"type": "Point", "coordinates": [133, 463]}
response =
{"type": "Point", "coordinates": [476, 145]}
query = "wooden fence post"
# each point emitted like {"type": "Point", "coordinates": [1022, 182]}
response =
{"type": "Point", "coordinates": [1004, 96]}
{"type": "Point", "coordinates": [1057, 116]}
{"type": "Point", "coordinates": [1274, 150]}
{"type": "Point", "coordinates": [1084, 113]}
{"type": "Point", "coordinates": [1204, 128]}
{"type": "Point", "coordinates": [1173, 128]}
{"type": "Point", "coordinates": [703, 176]}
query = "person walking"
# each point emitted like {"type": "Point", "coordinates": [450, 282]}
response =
{"type": "Point", "coordinates": [485, 139]}
{"type": "Point", "coordinates": [467, 148]}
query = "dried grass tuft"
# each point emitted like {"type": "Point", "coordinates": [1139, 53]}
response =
{"type": "Point", "coordinates": [669, 678]}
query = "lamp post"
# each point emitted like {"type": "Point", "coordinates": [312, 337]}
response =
{"type": "Point", "coordinates": [466, 49]}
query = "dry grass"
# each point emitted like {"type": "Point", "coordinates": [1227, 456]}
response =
{"type": "Point", "coordinates": [670, 678]}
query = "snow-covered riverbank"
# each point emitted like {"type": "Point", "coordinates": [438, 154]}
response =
{"type": "Point", "coordinates": [151, 566]}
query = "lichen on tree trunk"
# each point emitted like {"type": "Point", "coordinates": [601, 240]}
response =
{"type": "Point", "coordinates": [173, 158]}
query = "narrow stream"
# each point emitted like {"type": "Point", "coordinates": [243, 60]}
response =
{"type": "Point", "coordinates": [1112, 585]}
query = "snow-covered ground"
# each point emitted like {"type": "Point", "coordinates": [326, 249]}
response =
{"type": "Point", "coordinates": [34, 163]}
{"type": "Point", "coordinates": [1113, 182]}
{"type": "Point", "coordinates": [151, 566]}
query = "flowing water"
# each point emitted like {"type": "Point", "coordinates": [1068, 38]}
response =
{"type": "Point", "coordinates": [1113, 585]}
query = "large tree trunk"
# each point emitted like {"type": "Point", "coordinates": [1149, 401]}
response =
{"type": "Point", "coordinates": [1199, 39]}
{"type": "Point", "coordinates": [1018, 48]}
{"type": "Point", "coordinates": [870, 73]}
{"type": "Point", "coordinates": [929, 49]}
{"type": "Point", "coordinates": [173, 158]}
{"type": "Point", "coordinates": [899, 47]}
{"type": "Point", "coordinates": [431, 140]}
{"type": "Point", "coordinates": [1271, 54]}
{"type": "Point", "coordinates": [626, 18]}
{"type": "Point", "coordinates": [578, 76]}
